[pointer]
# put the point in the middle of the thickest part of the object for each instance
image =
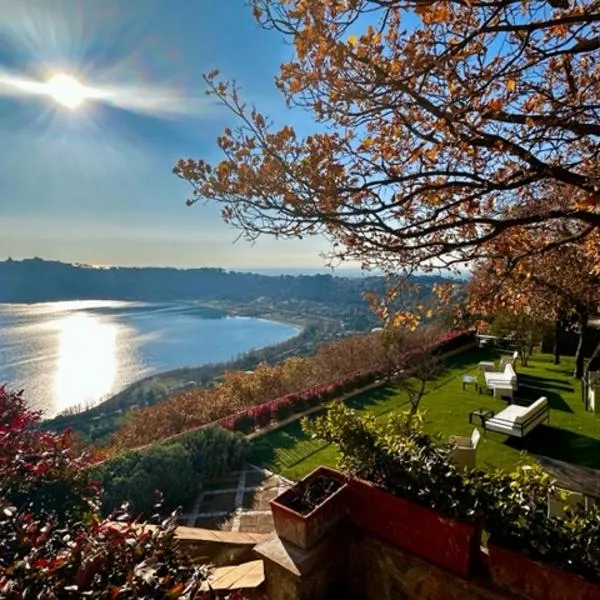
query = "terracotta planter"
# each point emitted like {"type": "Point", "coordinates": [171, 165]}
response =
{"type": "Point", "coordinates": [535, 580]}
{"type": "Point", "coordinates": [306, 530]}
{"type": "Point", "coordinates": [421, 531]}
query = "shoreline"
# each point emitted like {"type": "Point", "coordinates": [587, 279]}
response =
{"type": "Point", "coordinates": [162, 374]}
{"type": "Point", "coordinates": [172, 373]}
{"type": "Point", "coordinates": [99, 421]}
{"type": "Point", "coordinates": [276, 316]}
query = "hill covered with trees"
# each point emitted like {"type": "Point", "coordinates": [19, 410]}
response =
{"type": "Point", "coordinates": [38, 280]}
{"type": "Point", "coordinates": [291, 296]}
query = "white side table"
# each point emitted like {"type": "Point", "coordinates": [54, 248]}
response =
{"type": "Point", "coordinates": [470, 380]}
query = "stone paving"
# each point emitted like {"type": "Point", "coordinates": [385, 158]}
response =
{"type": "Point", "coordinates": [238, 502]}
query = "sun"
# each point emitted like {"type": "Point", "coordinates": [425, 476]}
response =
{"type": "Point", "coordinates": [66, 90]}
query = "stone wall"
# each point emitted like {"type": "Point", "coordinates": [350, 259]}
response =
{"type": "Point", "coordinates": [351, 565]}
{"type": "Point", "coordinates": [378, 571]}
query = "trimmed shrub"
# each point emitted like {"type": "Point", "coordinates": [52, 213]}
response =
{"type": "Point", "coordinates": [175, 468]}
{"type": "Point", "coordinates": [263, 415]}
{"type": "Point", "coordinates": [244, 422]}
{"type": "Point", "coordinates": [138, 476]}
{"type": "Point", "coordinates": [453, 340]}
{"type": "Point", "coordinates": [283, 409]}
{"type": "Point", "coordinates": [214, 451]}
{"type": "Point", "coordinates": [313, 398]}
{"type": "Point", "coordinates": [299, 403]}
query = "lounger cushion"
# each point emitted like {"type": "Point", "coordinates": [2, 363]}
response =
{"type": "Point", "coordinates": [509, 420]}
{"type": "Point", "coordinates": [503, 427]}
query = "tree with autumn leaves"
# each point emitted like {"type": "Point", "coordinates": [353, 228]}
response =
{"type": "Point", "coordinates": [238, 390]}
{"type": "Point", "coordinates": [558, 286]}
{"type": "Point", "coordinates": [412, 361]}
{"type": "Point", "coordinates": [441, 126]}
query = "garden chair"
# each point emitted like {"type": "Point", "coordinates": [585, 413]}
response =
{"type": "Point", "coordinates": [563, 500]}
{"type": "Point", "coordinates": [464, 450]}
{"type": "Point", "coordinates": [518, 421]}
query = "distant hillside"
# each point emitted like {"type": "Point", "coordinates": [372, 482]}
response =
{"type": "Point", "coordinates": [37, 280]}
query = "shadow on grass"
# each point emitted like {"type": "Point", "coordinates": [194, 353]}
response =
{"type": "Point", "coordinates": [560, 370]}
{"type": "Point", "coordinates": [263, 448]}
{"type": "Point", "coordinates": [525, 376]}
{"type": "Point", "coordinates": [545, 383]}
{"type": "Point", "coordinates": [371, 398]}
{"type": "Point", "coordinates": [289, 442]}
{"type": "Point", "coordinates": [470, 359]}
{"type": "Point", "coordinates": [462, 364]}
{"type": "Point", "coordinates": [560, 444]}
{"type": "Point", "coordinates": [527, 395]}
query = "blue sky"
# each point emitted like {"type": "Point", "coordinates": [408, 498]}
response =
{"type": "Point", "coordinates": [94, 184]}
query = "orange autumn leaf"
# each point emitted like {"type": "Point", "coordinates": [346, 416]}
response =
{"type": "Point", "coordinates": [459, 143]}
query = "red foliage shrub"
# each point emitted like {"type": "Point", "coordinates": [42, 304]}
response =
{"type": "Point", "coordinates": [52, 544]}
{"type": "Point", "coordinates": [39, 469]}
{"type": "Point", "coordinates": [263, 415]}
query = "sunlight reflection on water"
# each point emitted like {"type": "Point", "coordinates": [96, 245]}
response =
{"type": "Point", "coordinates": [86, 364]}
{"type": "Point", "coordinates": [71, 354]}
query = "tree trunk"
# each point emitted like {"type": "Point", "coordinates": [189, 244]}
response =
{"type": "Point", "coordinates": [586, 377]}
{"type": "Point", "coordinates": [579, 355]}
{"type": "Point", "coordinates": [531, 346]}
{"type": "Point", "coordinates": [523, 350]}
{"type": "Point", "coordinates": [557, 327]}
{"type": "Point", "coordinates": [415, 398]}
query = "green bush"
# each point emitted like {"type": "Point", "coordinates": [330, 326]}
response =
{"type": "Point", "coordinates": [517, 519]}
{"type": "Point", "coordinates": [175, 468]}
{"type": "Point", "coordinates": [215, 451]}
{"type": "Point", "coordinates": [398, 456]}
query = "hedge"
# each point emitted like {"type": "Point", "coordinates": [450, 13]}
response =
{"type": "Point", "coordinates": [453, 341]}
{"type": "Point", "coordinates": [177, 468]}
{"type": "Point", "coordinates": [261, 415]}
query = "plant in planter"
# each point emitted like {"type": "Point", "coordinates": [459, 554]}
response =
{"type": "Point", "coordinates": [403, 488]}
{"type": "Point", "coordinates": [538, 557]}
{"type": "Point", "coordinates": [307, 511]}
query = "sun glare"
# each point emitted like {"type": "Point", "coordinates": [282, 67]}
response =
{"type": "Point", "coordinates": [66, 90]}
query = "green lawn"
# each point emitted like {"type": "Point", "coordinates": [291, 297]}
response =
{"type": "Point", "coordinates": [573, 435]}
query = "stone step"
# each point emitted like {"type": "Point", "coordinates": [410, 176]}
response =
{"type": "Point", "coordinates": [247, 576]}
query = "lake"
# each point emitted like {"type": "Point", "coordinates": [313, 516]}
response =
{"type": "Point", "coordinates": [77, 353]}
